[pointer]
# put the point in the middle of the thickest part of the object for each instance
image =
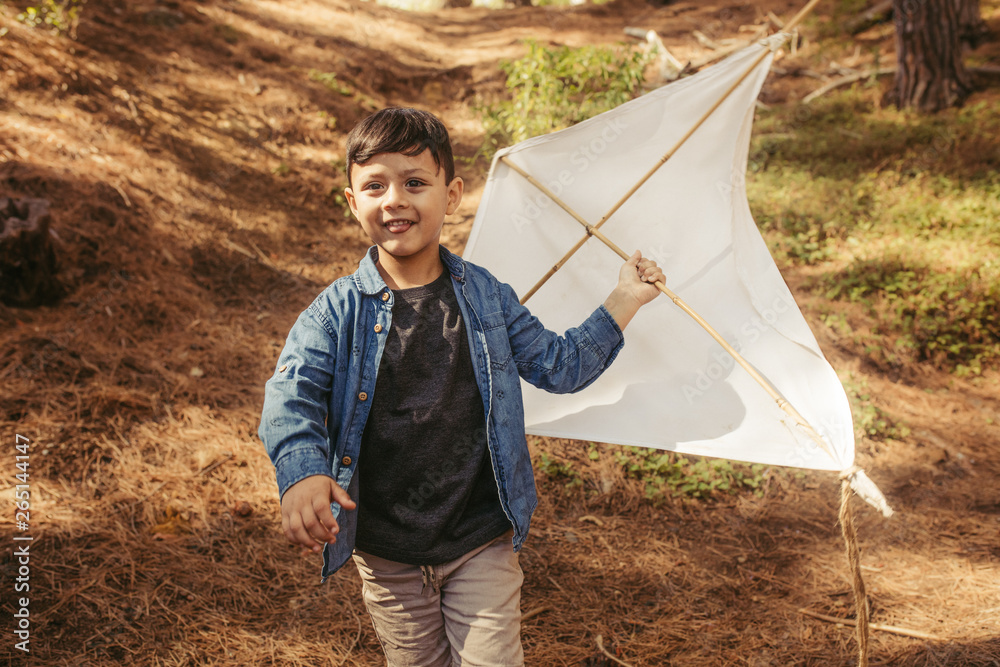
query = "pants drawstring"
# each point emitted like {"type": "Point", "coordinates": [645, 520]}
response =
{"type": "Point", "coordinates": [429, 578]}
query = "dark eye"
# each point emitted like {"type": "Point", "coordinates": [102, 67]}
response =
{"type": "Point", "coordinates": [373, 186]}
{"type": "Point", "coordinates": [414, 183]}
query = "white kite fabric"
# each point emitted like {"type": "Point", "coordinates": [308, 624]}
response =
{"type": "Point", "coordinates": [673, 386]}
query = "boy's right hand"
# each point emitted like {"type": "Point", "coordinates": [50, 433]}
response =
{"type": "Point", "coordinates": [305, 511]}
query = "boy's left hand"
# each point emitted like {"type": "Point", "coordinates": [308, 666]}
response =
{"type": "Point", "coordinates": [637, 277]}
{"type": "Point", "coordinates": [635, 288]}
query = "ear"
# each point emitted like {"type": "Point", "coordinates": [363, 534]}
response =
{"type": "Point", "coordinates": [351, 201]}
{"type": "Point", "coordinates": [455, 190]}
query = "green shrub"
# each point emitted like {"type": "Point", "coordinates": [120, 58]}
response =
{"type": "Point", "coordinates": [62, 17]}
{"type": "Point", "coordinates": [870, 420]}
{"type": "Point", "coordinates": [951, 319]}
{"type": "Point", "coordinates": [668, 474]}
{"type": "Point", "coordinates": [562, 471]}
{"type": "Point", "coordinates": [661, 474]}
{"type": "Point", "coordinates": [329, 79]}
{"type": "Point", "coordinates": [554, 88]}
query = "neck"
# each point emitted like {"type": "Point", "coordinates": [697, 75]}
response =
{"type": "Point", "coordinates": [406, 272]}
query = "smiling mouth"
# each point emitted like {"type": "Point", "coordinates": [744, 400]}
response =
{"type": "Point", "coordinates": [398, 226]}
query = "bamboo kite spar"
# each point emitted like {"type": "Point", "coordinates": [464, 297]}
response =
{"type": "Point", "coordinates": [853, 477]}
{"type": "Point", "coordinates": [662, 161]}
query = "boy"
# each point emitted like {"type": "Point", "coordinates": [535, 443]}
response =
{"type": "Point", "coordinates": [394, 418]}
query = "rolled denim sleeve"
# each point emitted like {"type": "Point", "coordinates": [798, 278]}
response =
{"type": "Point", "coordinates": [561, 364]}
{"type": "Point", "coordinates": [293, 425]}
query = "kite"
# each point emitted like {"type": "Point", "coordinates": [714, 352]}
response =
{"type": "Point", "coordinates": [727, 366]}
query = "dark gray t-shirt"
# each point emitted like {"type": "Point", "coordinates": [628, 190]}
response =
{"type": "Point", "coordinates": [427, 491]}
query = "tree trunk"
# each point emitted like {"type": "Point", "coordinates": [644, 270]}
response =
{"type": "Point", "coordinates": [930, 75]}
{"type": "Point", "coordinates": [27, 255]}
{"type": "Point", "coordinates": [972, 28]}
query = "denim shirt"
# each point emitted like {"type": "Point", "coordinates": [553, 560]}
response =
{"type": "Point", "coordinates": [317, 401]}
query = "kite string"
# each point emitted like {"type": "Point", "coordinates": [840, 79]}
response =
{"type": "Point", "coordinates": [854, 560]}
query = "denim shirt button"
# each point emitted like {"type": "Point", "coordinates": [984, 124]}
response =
{"type": "Point", "coordinates": [500, 393]}
{"type": "Point", "coordinates": [284, 367]}
{"type": "Point", "coordinates": [385, 296]}
{"type": "Point", "coordinates": [378, 328]}
{"type": "Point", "coordinates": [346, 460]}
{"type": "Point", "coordinates": [363, 396]}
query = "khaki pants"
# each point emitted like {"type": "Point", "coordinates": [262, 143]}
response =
{"type": "Point", "coordinates": [465, 612]}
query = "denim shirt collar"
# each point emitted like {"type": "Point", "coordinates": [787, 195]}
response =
{"type": "Point", "coordinates": [367, 277]}
{"type": "Point", "coordinates": [369, 280]}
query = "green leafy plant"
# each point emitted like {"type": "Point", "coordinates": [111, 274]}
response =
{"type": "Point", "coordinates": [329, 79]}
{"type": "Point", "coordinates": [951, 319]}
{"type": "Point", "coordinates": [562, 471]}
{"type": "Point", "coordinates": [898, 214]}
{"type": "Point", "coordinates": [661, 474]}
{"type": "Point", "coordinates": [553, 88]}
{"type": "Point", "coordinates": [869, 419]}
{"type": "Point", "coordinates": [61, 17]}
{"type": "Point", "coordinates": [328, 119]}
{"type": "Point", "coordinates": [801, 238]}
{"type": "Point", "coordinates": [666, 473]}
{"type": "Point", "coordinates": [336, 193]}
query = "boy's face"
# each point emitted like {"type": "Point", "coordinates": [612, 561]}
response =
{"type": "Point", "coordinates": [401, 202]}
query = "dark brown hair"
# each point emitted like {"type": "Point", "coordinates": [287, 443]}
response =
{"type": "Point", "coordinates": [400, 130]}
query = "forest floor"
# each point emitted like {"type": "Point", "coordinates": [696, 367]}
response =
{"type": "Point", "coordinates": [192, 156]}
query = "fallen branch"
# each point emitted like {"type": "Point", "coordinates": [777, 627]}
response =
{"type": "Point", "coordinates": [843, 81]}
{"type": "Point", "coordinates": [668, 66]}
{"type": "Point", "coordinates": [869, 17]}
{"type": "Point", "coordinates": [536, 612]}
{"type": "Point", "coordinates": [733, 48]}
{"type": "Point", "coordinates": [704, 40]}
{"type": "Point", "coordinates": [916, 634]}
{"type": "Point", "coordinates": [985, 69]}
{"type": "Point", "coordinates": [260, 256]}
{"type": "Point", "coordinates": [592, 519]}
{"type": "Point", "coordinates": [212, 466]}
{"type": "Point", "coordinates": [600, 645]}
{"type": "Point", "coordinates": [799, 71]}
{"type": "Point", "coordinates": [718, 55]}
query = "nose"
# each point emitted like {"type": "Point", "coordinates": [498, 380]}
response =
{"type": "Point", "coordinates": [395, 197]}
